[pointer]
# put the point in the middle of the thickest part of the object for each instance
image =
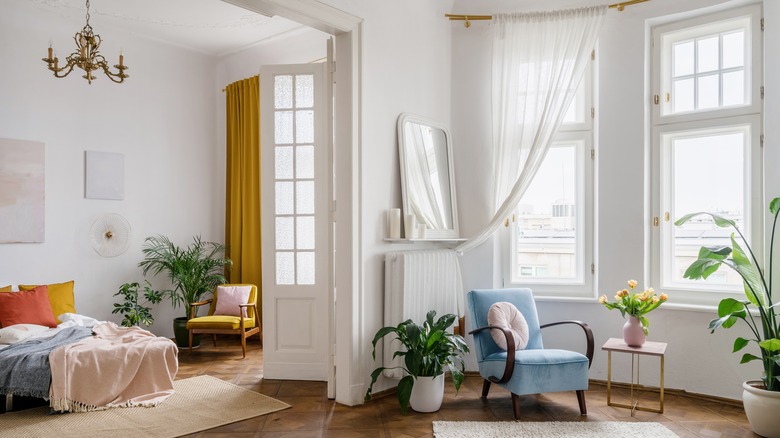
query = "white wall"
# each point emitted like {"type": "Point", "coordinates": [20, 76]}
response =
{"type": "Point", "coordinates": [161, 119]}
{"type": "Point", "coordinates": [696, 360]}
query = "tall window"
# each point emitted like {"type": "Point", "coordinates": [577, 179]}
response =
{"type": "Point", "coordinates": [706, 143]}
{"type": "Point", "coordinates": [550, 235]}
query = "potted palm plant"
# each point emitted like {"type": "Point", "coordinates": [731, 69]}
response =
{"type": "Point", "coordinates": [761, 398]}
{"type": "Point", "coordinates": [427, 349]}
{"type": "Point", "coordinates": [194, 271]}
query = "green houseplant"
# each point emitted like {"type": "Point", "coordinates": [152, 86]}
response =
{"type": "Point", "coordinates": [194, 271]}
{"type": "Point", "coordinates": [758, 311]}
{"type": "Point", "coordinates": [427, 349]}
{"type": "Point", "coordinates": [133, 311]}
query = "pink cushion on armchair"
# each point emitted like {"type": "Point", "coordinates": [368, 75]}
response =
{"type": "Point", "coordinates": [228, 299]}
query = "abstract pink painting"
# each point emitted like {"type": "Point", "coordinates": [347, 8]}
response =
{"type": "Point", "coordinates": [22, 191]}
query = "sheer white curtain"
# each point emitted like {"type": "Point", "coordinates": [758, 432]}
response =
{"type": "Point", "coordinates": [424, 190]}
{"type": "Point", "coordinates": [538, 61]}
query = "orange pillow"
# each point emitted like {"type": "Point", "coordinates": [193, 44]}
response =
{"type": "Point", "coordinates": [60, 297]}
{"type": "Point", "coordinates": [6, 288]}
{"type": "Point", "coordinates": [27, 307]}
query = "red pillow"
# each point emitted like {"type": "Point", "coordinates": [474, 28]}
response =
{"type": "Point", "coordinates": [27, 307]}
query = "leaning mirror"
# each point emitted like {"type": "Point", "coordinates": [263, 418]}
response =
{"type": "Point", "coordinates": [427, 178]}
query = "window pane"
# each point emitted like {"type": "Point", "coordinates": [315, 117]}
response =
{"type": "Point", "coordinates": [683, 58]}
{"type": "Point", "coordinates": [734, 49]}
{"type": "Point", "coordinates": [284, 198]}
{"type": "Point", "coordinates": [305, 268]}
{"type": "Point", "coordinates": [546, 226]}
{"type": "Point", "coordinates": [283, 91]}
{"type": "Point", "coordinates": [284, 162]}
{"type": "Point", "coordinates": [284, 233]}
{"type": "Point", "coordinates": [305, 232]}
{"type": "Point", "coordinates": [707, 57]}
{"type": "Point", "coordinates": [304, 126]}
{"type": "Point", "coordinates": [304, 91]}
{"type": "Point", "coordinates": [734, 88]}
{"type": "Point", "coordinates": [695, 161]}
{"type": "Point", "coordinates": [285, 268]}
{"type": "Point", "coordinates": [708, 92]}
{"type": "Point", "coordinates": [304, 200]}
{"type": "Point", "coordinates": [304, 162]}
{"type": "Point", "coordinates": [682, 96]}
{"type": "Point", "coordinates": [572, 113]}
{"type": "Point", "coordinates": [283, 127]}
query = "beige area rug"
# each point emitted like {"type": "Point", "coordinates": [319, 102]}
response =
{"type": "Point", "coordinates": [554, 429]}
{"type": "Point", "coordinates": [198, 403]}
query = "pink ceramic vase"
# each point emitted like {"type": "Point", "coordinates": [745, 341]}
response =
{"type": "Point", "coordinates": [633, 335]}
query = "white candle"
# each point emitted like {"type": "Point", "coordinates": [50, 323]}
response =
{"type": "Point", "coordinates": [394, 223]}
{"type": "Point", "coordinates": [410, 226]}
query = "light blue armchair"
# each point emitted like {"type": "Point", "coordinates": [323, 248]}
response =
{"type": "Point", "coordinates": [534, 369]}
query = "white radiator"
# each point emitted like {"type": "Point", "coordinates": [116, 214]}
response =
{"type": "Point", "coordinates": [416, 282]}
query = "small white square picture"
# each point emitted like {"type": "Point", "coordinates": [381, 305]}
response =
{"type": "Point", "coordinates": [105, 175]}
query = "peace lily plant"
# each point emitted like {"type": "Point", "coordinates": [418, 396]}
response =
{"type": "Point", "coordinates": [427, 349]}
{"type": "Point", "coordinates": [758, 288]}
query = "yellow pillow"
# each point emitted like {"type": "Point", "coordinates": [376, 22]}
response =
{"type": "Point", "coordinates": [6, 288]}
{"type": "Point", "coordinates": [60, 296]}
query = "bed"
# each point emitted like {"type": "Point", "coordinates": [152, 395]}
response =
{"type": "Point", "coordinates": [83, 364]}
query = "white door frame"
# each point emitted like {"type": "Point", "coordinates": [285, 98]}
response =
{"type": "Point", "coordinates": [348, 318]}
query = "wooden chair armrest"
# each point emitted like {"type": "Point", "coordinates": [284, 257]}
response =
{"type": "Point", "coordinates": [198, 304]}
{"type": "Point", "coordinates": [509, 368]}
{"type": "Point", "coordinates": [588, 336]}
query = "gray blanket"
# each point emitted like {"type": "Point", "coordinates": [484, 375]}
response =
{"type": "Point", "coordinates": [24, 367]}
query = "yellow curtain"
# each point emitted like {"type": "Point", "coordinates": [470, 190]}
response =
{"type": "Point", "coordinates": [242, 209]}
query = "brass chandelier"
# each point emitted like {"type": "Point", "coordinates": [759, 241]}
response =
{"type": "Point", "coordinates": [87, 57]}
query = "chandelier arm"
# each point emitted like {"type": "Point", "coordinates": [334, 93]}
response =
{"type": "Point", "coordinates": [68, 67]}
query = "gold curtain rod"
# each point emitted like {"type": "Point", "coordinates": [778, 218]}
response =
{"type": "Point", "coordinates": [469, 18]}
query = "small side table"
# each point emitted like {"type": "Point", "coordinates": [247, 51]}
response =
{"type": "Point", "coordinates": [650, 349]}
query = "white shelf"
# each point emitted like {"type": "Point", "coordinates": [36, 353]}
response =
{"type": "Point", "coordinates": [451, 239]}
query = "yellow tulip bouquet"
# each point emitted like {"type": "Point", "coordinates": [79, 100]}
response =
{"type": "Point", "coordinates": [633, 303]}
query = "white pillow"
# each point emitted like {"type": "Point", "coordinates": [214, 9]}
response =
{"type": "Point", "coordinates": [19, 332]}
{"type": "Point", "coordinates": [506, 315]}
{"type": "Point", "coordinates": [74, 319]}
{"type": "Point", "coordinates": [228, 299]}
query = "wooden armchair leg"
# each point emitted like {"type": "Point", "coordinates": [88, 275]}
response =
{"type": "Point", "coordinates": [485, 388]}
{"type": "Point", "coordinates": [243, 345]}
{"type": "Point", "coordinates": [516, 405]}
{"type": "Point", "coordinates": [581, 400]}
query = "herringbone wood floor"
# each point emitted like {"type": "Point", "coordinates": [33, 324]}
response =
{"type": "Point", "coordinates": [313, 415]}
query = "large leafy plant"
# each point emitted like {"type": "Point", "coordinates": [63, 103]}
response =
{"type": "Point", "coordinates": [194, 271]}
{"type": "Point", "coordinates": [427, 349]}
{"type": "Point", "coordinates": [758, 291]}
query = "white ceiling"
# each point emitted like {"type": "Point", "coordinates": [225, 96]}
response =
{"type": "Point", "coordinates": [208, 26]}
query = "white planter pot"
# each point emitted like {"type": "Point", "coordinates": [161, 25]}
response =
{"type": "Point", "coordinates": [427, 393]}
{"type": "Point", "coordinates": [762, 408]}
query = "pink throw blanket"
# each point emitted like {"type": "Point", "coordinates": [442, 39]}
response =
{"type": "Point", "coordinates": [118, 367]}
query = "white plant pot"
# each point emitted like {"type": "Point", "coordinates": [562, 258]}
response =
{"type": "Point", "coordinates": [427, 393]}
{"type": "Point", "coordinates": [762, 408]}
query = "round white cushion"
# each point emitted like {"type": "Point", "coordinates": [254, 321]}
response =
{"type": "Point", "coordinates": [506, 315]}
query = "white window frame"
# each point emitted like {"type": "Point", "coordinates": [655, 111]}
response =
{"type": "Point", "coordinates": [581, 134]}
{"type": "Point", "coordinates": [707, 121]}
{"type": "Point", "coordinates": [708, 24]}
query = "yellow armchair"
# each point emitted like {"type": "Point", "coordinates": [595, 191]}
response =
{"type": "Point", "coordinates": [226, 324]}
